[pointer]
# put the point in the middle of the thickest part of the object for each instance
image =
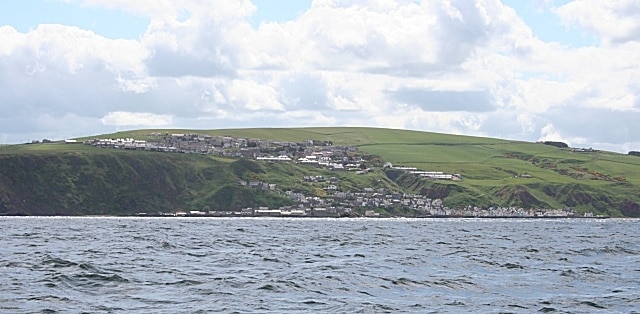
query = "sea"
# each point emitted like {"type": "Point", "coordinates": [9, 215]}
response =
{"type": "Point", "coordinates": [302, 265]}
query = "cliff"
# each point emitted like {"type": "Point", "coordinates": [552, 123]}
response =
{"type": "Point", "coordinates": [113, 183]}
{"type": "Point", "coordinates": [462, 171]}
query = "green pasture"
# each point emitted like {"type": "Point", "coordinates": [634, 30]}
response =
{"type": "Point", "coordinates": [43, 148]}
{"type": "Point", "coordinates": [493, 171]}
{"type": "Point", "coordinates": [480, 161]}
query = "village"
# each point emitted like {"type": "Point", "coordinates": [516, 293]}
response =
{"type": "Point", "coordinates": [342, 204]}
{"type": "Point", "coordinates": [368, 202]}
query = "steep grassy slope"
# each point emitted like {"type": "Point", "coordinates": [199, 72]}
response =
{"type": "Point", "coordinates": [120, 182]}
{"type": "Point", "coordinates": [492, 169]}
{"type": "Point", "coordinates": [495, 172]}
{"type": "Point", "coordinates": [53, 179]}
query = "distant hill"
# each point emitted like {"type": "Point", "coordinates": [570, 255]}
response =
{"type": "Point", "coordinates": [58, 178]}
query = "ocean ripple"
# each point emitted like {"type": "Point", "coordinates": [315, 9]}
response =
{"type": "Point", "coordinates": [202, 265]}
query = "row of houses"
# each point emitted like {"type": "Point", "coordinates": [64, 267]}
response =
{"type": "Point", "coordinates": [336, 158]}
{"type": "Point", "coordinates": [331, 163]}
{"type": "Point", "coordinates": [503, 212]}
{"type": "Point", "coordinates": [370, 204]}
{"type": "Point", "coordinates": [432, 175]}
{"type": "Point", "coordinates": [276, 151]}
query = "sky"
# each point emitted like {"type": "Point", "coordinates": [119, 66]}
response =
{"type": "Point", "coordinates": [532, 70]}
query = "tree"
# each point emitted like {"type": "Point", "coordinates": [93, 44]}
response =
{"type": "Point", "coordinates": [556, 144]}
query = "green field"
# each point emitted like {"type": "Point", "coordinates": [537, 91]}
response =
{"type": "Point", "coordinates": [476, 158]}
{"type": "Point", "coordinates": [491, 169]}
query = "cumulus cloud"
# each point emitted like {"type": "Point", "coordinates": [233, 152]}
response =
{"type": "Point", "coordinates": [252, 96]}
{"type": "Point", "coordinates": [403, 37]}
{"type": "Point", "coordinates": [62, 68]}
{"type": "Point", "coordinates": [614, 21]}
{"type": "Point", "coordinates": [142, 119]}
{"type": "Point", "coordinates": [455, 66]}
{"type": "Point", "coordinates": [549, 133]}
{"type": "Point", "coordinates": [430, 100]}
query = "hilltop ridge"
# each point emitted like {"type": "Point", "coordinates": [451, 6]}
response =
{"type": "Point", "coordinates": [58, 178]}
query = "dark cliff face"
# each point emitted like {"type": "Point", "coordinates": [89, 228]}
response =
{"type": "Point", "coordinates": [124, 183]}
{"type": "Point", "coordinates": [75, 184]}
{"type": "Point", "coordinates": [630, 209]}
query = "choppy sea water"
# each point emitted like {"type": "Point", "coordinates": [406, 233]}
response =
{"type": "Point", "coordinates": [201, 265]}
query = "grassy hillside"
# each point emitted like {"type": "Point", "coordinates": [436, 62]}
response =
{"type": "Point", "coordinates": [495, 172]}
{"type": "Point", "coordinates": [53, 181]}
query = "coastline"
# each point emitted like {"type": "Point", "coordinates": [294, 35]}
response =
{"type": "Point", "coordinates": [317, 217]}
